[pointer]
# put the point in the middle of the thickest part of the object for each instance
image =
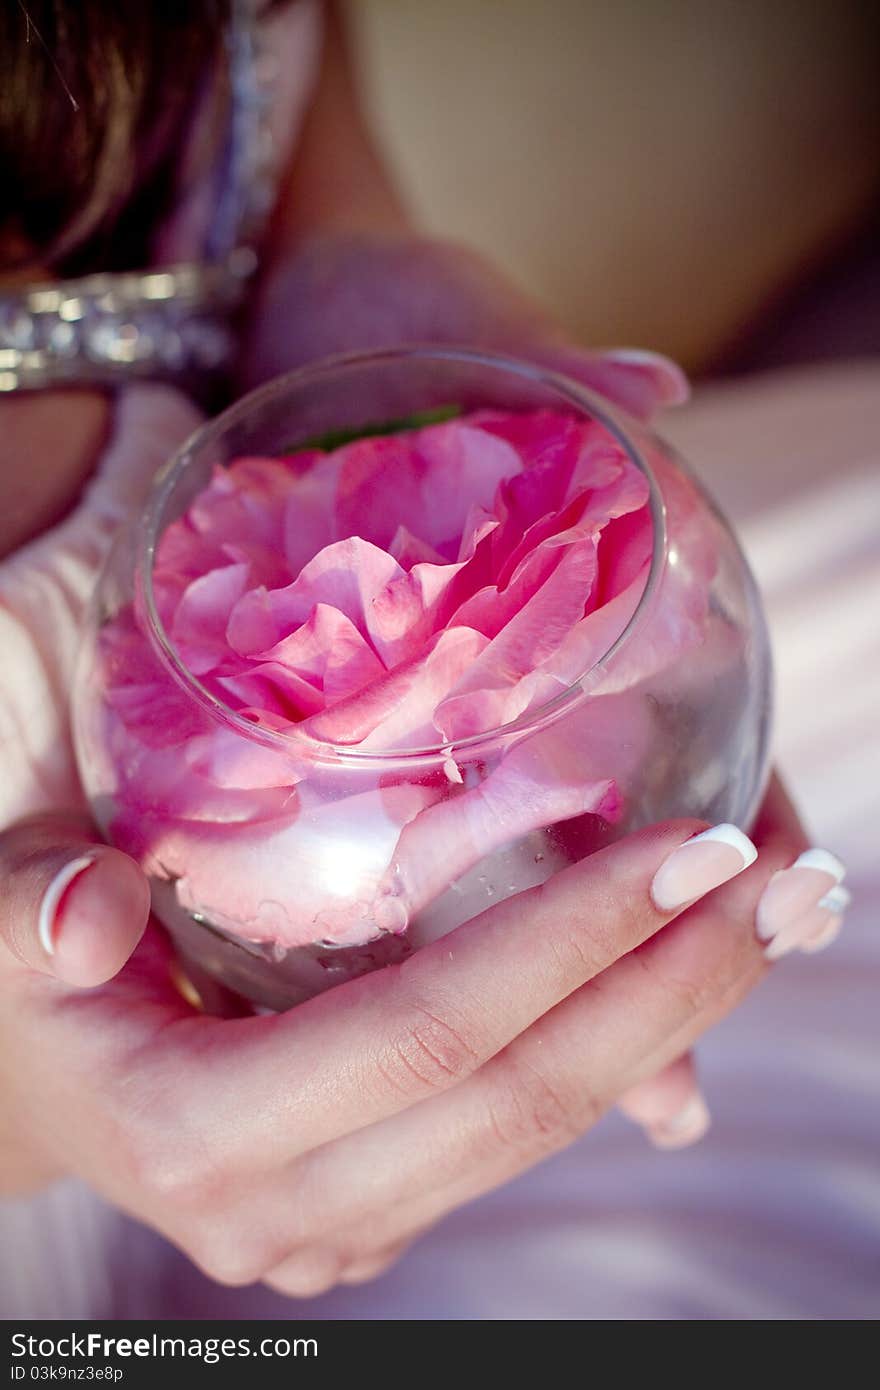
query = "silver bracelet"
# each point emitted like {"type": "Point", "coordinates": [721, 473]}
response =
{"type": "Point", "coordinates": [169, 322]}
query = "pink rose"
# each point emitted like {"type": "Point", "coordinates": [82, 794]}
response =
{"type": "Point", "coordinates": [412, 591]}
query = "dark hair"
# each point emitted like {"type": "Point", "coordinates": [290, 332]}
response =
{"type": "Point", "coordinates": [94, 96]}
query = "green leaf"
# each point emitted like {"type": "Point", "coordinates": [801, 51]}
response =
{"type": "Point", "coordinates": [334, 439]}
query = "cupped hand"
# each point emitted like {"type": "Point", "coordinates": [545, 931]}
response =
{"type": "Point", "coordinates": [311, 1147]}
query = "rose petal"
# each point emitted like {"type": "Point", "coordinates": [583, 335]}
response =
{"type": "Point", "coordinates": [409, 549]}
{"type": "Point", "coordinates": [397, 711]}
{"type": "Point", "coordinates": [309, 522]}
{"type": "Point", "coordinates": [553, 775]}
{"type": "Point", "coordinates": [417, 604]}
{"type": "Point", "coordinates": [312, 874]}
{"type": "Point", "coordinates": [198, 627]}
{"type": "Point", "coordinates": [227, 759]}
{"type": "Point", "coordinates": [526, 624]}
{"type": "Point", "coordinates": [346, 575]}
{"type": "Point", "coordinates": [267, 568]}
{"type": "Point", "coordinates": [612, 488]}
{"type": "Point", "coordinates": [271, 690]}
{"type": "Point", "coordinates": [434, 476]}
{"type": "Point", "coordinates": [328, 652]}
{"type": "Point", "coordinates": [245, 502]}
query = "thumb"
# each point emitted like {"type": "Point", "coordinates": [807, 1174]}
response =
{"type": "Point", "coordinates": [70, 907]}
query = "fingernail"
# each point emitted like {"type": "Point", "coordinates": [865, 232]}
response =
{"type": "Point", "coordinates": [814, 929]}
{"type": "Point", "coordinates": [701, 864]}
{"type": "Point", "coordinates": [824, 936]}
{"type": "Point", "coordinates": [48, 918]}
{"type": "Point", "coordinates": [677, 387]}
{"type": "Point", "coordinates": [689, 1125]}
{"type": "Point", "coordinates": [794, 894]}
{"type": "Point", "coordinates": [836, 899]}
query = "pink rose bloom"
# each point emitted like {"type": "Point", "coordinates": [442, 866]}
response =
{"type": "Point", "coordinates": [409, 592]}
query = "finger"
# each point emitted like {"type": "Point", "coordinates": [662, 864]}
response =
{"type": "Point", "coordinates": [386, 1041]}
{"type": "Point", "coordinates": [383, 1183]}
{"type": "Point", "coordinates": [369, 1267]}
{"type": "Point", "coordinates": [306, 1273]}
{"type": "Point", "coordinates": [804, 907]}
{"type": "Point", "coordinates": [310, 1272]}
{"type": "Point", "coordinates": [669, 1106]}
{"type": "Point", "coordinates": [552, 1083]}
{"type": "Point", "coordinates": [640, 382]}
{"type": "Point", "coordinates": [652, 1004]}
{"type": "Point", "coordinates": [71, 907]}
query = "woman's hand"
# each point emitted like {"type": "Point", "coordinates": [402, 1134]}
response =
{"type": "Point", "coordinates": [311, 1147]}
{"type": "Point", "coordinates": [356, 291]}
{"type": "Point", "coordinates": [75, 910]}
{"type": "Point", "coordinates": [99, 894]}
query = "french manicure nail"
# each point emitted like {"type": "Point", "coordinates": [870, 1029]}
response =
{"type": "Point", "coordinates": [819, 924]}
{"type": "Point", "coordinates": [837, 899]}
{"type": "Point", "coordinates": [824, 936]}
{"type": "Point", "coordinates": [47, 921]}
{"type": "Point", "coordinates": [689, 1125]}
{"type": "Point", "coordinates": [814, 929]}
{"type": "Point", "coordinates": [701, 864]}
{"type": "Point", "coordinates": [794, 892]}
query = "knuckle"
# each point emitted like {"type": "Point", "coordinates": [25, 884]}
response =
{"type": "Point", "coordinates": [180, 1176]}
{"type": "Point", "coordinates": [168, 1158]}
{"type": "Point", "coordinates": [692, 992]}
{"type": "Point", "coordinates": [429, 1053]}
{"type": "Point", "coordinates": [534, 1113]}
{"type": "Point", "coordinates": [609, 922]}
{"type": "Point", "coordinates": [689, 992]}
{"type": "Point", "coordinates": [577, 953]}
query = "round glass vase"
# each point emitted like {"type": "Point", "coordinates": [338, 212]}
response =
{"type": "Point", "coordinates": [334, 860]}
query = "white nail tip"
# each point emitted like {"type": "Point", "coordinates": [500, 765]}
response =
{"type": "Point", "coordinates": [685, 1127]}
{"type": "Point", "coordinates": [695, 1113]}
{"type": "Point", "coordinates": [637, 357]}
{"type": "Point", "coordinates": [836, 900]}
{"type": "Point", "coordinates": [729, 835]}
{"type": "Point", "coordinates": [52, 897]}
{"type": "Point", "coordinates": [823, 860]}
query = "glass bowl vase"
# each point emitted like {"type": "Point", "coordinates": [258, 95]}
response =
{"type": "Point", "coordinates": [282, 864]}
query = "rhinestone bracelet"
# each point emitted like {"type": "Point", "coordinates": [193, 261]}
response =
{"type": "Point", "coordinates": [170, 322]}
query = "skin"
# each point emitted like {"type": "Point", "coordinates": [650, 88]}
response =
{"type": "Point", "coordinates": [311, 1147]}
{"type": "Point", "coordinates": [400, 1096]}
